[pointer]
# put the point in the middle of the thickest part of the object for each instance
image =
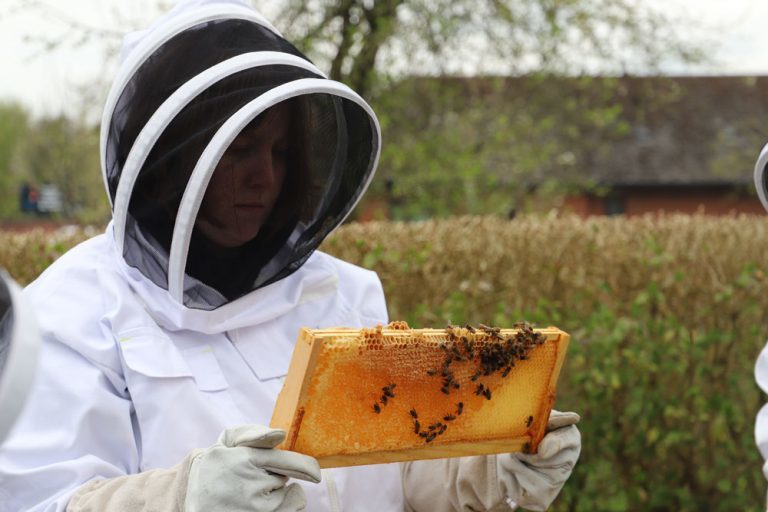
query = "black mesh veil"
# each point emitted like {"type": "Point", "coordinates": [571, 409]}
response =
{"type": "Point", "coordinates": [761, 176]}
{"type": "Point", "coordinates": [329, 148]}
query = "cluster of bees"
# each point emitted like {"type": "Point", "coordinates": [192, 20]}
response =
{"type": "Point", "coordinates": [491, 358]}
{"type": "Point", "coordinates": [387, 393]}
{"type": "Point", "coordinates": [435, 429]}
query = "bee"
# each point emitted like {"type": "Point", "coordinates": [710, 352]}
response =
{"type": "Point", "coordinates": [431, 437]}
{"type": "Point", "coordinates": [388, 391]}
{"type": "Point", "coordinates": [487, 393]}
{"type": "Point", "coordinates": [384, 399]}
{"type": "Point", "coordinates": [460, 408]}
{"type": "Point", "coordinates": [490, 330]}
{"type": "Point", "coordinates": [475, 376]}
{"type": "Point", "coordinates": [442, 430]}
{"type": "Point", "coordinates": [529, 421]}
{"type": "Point", "coordinates": [423, 434]}
{"type": "Point", "coordinates": [470, 328]}
{"type": "Point", "coordinates": [479, 389]}
{"type": "Point", "coordinates": [416, 426]}
{"type": "Point", "coordinates": [449, 417]}
{"type": "Point", "coordinates": [455, 385]}
{"type": "Point", "coordinates": [413, 414]}
{"type": "Point", "coordinates": [376, 408]}
{"type": "Point", "coordinates": [506, 371]}
{"type": "Point", "coordinates": [433, 426]}
{"type": "Point", "coordinates": [445, 390]}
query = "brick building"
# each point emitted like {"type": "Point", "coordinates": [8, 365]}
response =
{"type": "Point", "coordinates": [693, 151]}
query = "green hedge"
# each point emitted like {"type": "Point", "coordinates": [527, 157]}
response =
{"type": "Point", "coordinates": [667, 316]}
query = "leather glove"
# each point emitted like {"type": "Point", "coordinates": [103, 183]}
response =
{"type": "Point", "coordinates": [241, 472]}
{"type": "Point", "coordinates": [534, 481]}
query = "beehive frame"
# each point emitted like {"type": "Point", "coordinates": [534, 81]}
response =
{"type": "Point", "coordinates": [351, 394]}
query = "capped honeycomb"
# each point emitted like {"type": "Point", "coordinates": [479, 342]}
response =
{"type": "Point", "coordinates": [364, 396]}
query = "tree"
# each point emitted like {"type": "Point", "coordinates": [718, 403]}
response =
{"type": "Point", "coordinates": [65, 152]}
{"type": "Point", "coordinates": [447, 151]}
{"type": "Point", "coordinates": [14, 125]}
{"type": "Point", "coordinates": [457, 145]}
{"type": "Point", "coordinates": [360, 40]}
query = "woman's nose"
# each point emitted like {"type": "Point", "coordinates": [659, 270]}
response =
{"type": "Point", "coordinates": [257, 169]}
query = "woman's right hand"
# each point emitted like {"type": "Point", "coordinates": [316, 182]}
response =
{"type": "Point", "coordinates": [244, 472]}
{"type": "Point", "coordinates": [241, 472]}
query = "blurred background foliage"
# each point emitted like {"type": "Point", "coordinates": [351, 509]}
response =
{"type": "Point", "coordinates": [452, 144]}
{"type": "Point", "coordinates": [666, 316]}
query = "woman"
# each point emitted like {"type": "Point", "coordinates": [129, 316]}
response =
{"type": "Point", "coordinates": [228, 158]}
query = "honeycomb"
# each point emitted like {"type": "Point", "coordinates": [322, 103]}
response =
{"type": "Point", "coordinates": [362, 396]}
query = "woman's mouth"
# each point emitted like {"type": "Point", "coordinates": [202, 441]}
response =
{"type": "Point", "coordinates": [249, 207]}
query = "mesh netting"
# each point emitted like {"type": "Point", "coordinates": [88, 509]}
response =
{"type": "Point", "coordinates": [329, 151]}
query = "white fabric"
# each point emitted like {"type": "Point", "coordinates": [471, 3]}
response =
{"type": "Point", "coordinates": [761, 366]}
{"type": "Point", "coordinates": [761, 423]}
{"type": "Point", "coordinates": [760, 168]}
{"type": "Point", "coordinates": [19, 349]}
{"type": "Point", "coordinates": [124, 387]}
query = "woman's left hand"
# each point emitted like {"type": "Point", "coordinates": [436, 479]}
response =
{"type": "Point", "coordinates": [533, 481]}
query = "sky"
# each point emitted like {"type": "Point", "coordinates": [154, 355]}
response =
{"type": "Point", "coordinates": [54, 81]}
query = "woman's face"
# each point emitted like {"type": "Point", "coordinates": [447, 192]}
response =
{"type": "Point", "coordinates": [247, 181]}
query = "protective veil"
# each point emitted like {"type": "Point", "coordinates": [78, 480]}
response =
{"type": "Point", "coordinates": [187, 88]}
{"type": "Point", "coordinates": [156, 339]}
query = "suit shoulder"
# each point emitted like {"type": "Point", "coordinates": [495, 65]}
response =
{"type": "Point", "coordinates": [360, 289]}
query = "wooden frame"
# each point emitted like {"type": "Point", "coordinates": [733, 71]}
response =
{"type": "Point", "coordinates": [317, 383]}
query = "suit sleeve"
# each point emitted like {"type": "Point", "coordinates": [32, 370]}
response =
{"type": "Point", "coordinates": [77, 424]}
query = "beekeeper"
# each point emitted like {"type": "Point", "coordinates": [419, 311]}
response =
{"type": "Point", "coordinates": [761, 367]}
{"type": "Point", "coordinates": [228, 157]}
